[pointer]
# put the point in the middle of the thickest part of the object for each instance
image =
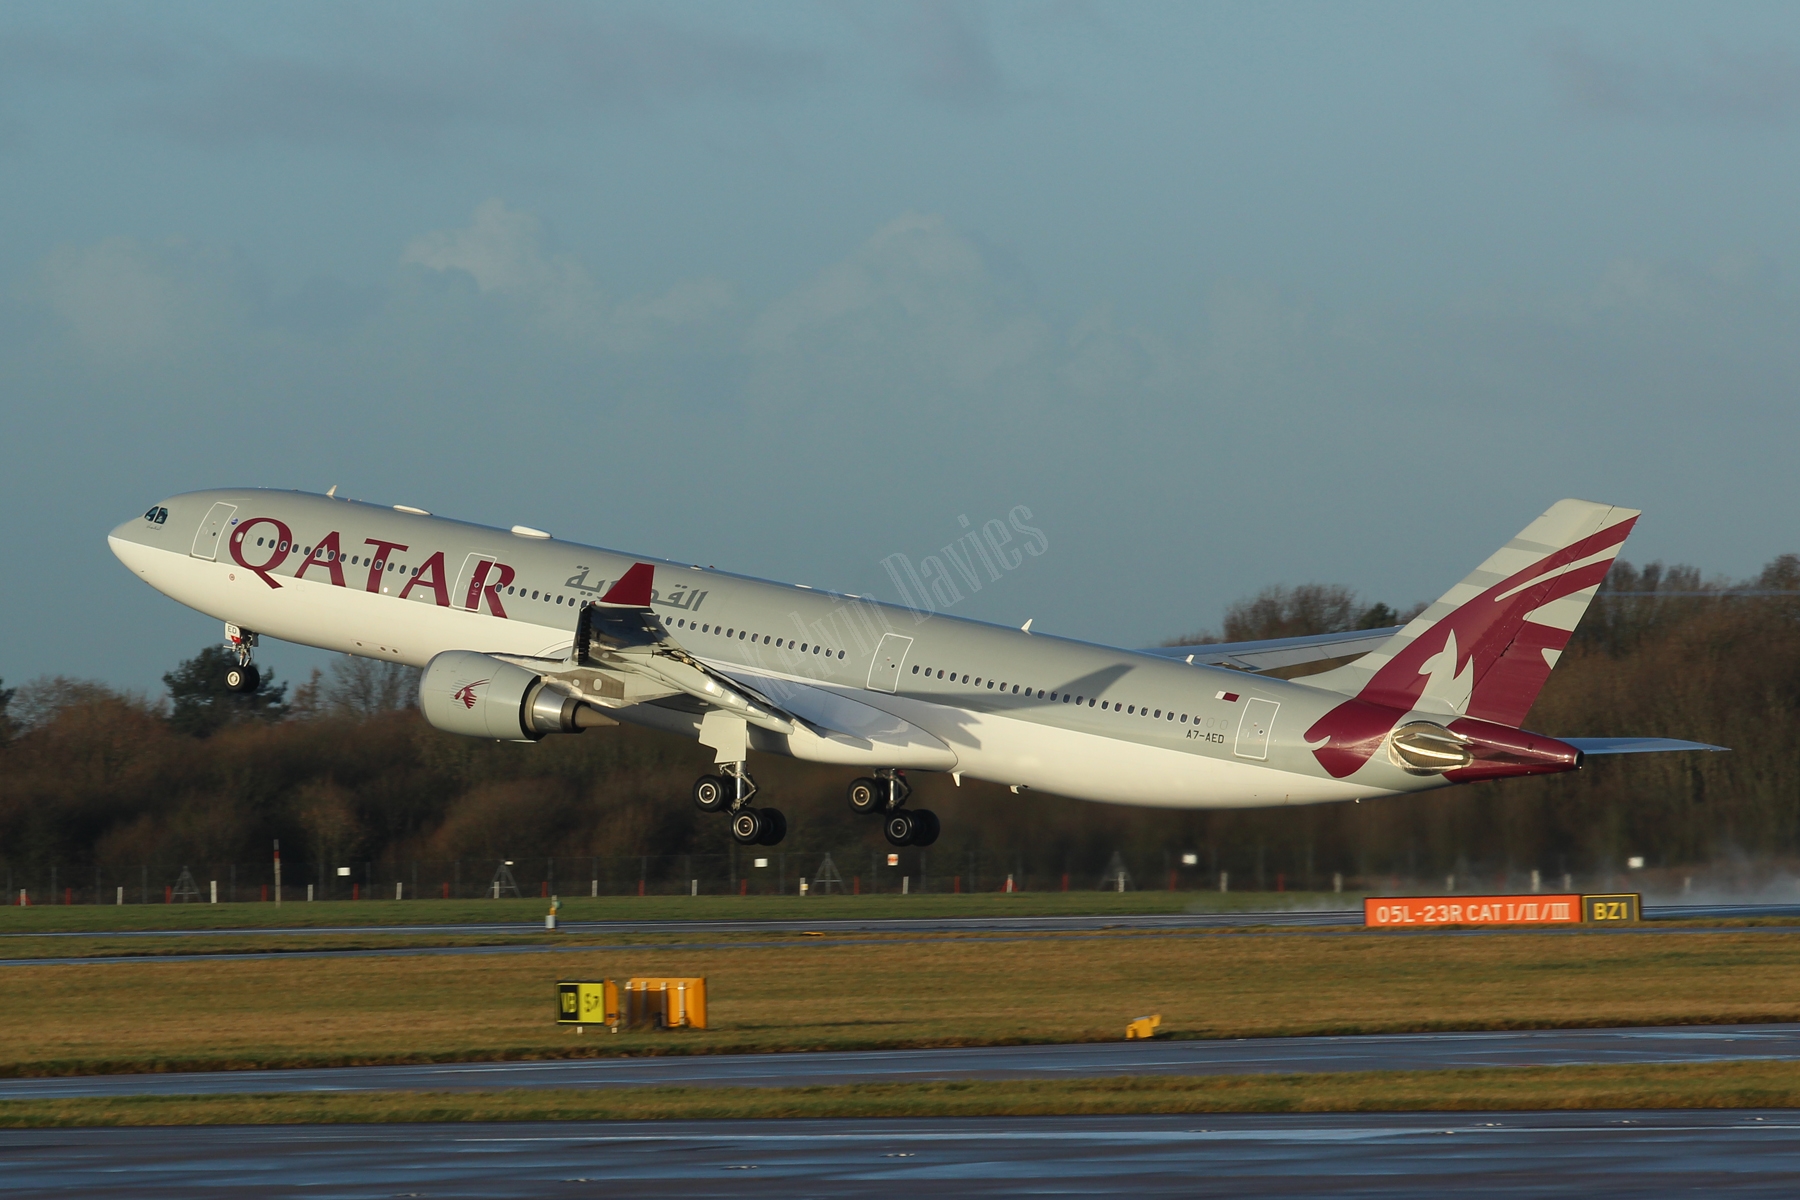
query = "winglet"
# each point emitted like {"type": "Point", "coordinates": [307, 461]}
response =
{"type": "Point", "coordinates": [633, 587]}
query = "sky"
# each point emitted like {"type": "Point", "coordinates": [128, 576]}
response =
{"type": "Point", "coordinates": [1224, 295]}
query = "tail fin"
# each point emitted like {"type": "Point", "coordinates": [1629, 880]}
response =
{"type": "Point", "coordinates": [1486, 647]}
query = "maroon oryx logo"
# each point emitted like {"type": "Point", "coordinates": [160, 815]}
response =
{"type": "Point", "coordinates": [466, 693]}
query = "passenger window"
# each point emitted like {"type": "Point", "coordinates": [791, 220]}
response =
{"type": "Point", "coordinates": [1015, 689]}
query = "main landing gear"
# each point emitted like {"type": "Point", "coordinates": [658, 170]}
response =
{"type": "Point", "coordinates": [242, 677]}
{"type": "Point", "coordinates": [730, 793]}
{"type": "Point", "coordinates": [885, 794]}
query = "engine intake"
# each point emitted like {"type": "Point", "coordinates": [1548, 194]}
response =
{"type": "Point", "coordinates": [477, 695]}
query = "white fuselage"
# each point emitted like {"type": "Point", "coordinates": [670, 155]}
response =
{"type": "Point", "coordinates": [965, 697]}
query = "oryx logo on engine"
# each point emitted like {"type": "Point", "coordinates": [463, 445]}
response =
{"type": "Point", "coordinates": [466, 693]}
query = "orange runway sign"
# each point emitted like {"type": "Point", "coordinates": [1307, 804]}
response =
{"type": "Point", "coordinates": [1389, 912]}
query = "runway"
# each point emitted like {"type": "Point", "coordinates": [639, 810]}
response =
{"type": "Point", "coordinates": [1291, 918]}
{"type": "Point", "coordinates": [1235, 1056]}
{"type": "Point", "coordinates": [1053, 924]}
{"type": "Point", "coordinates": [1597, 1154]}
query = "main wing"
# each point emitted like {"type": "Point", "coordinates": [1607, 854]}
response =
{"type": "Point", "coordinates": [623, 655]}
{"type": "Point", "coordinates": [1273, 653]}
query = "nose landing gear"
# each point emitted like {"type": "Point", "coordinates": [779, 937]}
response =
{"type": "Point", "coordinates": [244, 677]}
{"type": "Point", "coordinates": [885, 794]}
{"type": "Point", "coordinates": [730, 793]}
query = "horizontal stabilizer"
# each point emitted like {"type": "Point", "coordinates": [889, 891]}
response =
{"type": "Point", "coordinates": [1639, 745]}
{"type": "Point", "coordinates": [1270, 653]}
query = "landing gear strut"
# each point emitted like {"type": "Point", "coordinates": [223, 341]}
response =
{"type": "Point", "coordinates": [730, 793]}
{"type": "Point", "coordinates": [885, 794]}
{"type": "Point", "coordinates": [244, 677]}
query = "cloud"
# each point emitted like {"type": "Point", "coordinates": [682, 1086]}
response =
{"type": "Point", "coordinates": [126, 299]}
{"type": "Point", "coordinates": [635, 59]}
{"type": "Point", "coordinates": [948, 53]}
{"type": "Point", "coordinates": [943, 49]}
{"type": "Point", "coordinates": [374, 79]}
{"type": "Point", "coordinates": [1717, 86]}
{"type": "Point", "coordinates": [918, 299]}
{"type": "Point", "coordinates": [502, 251]}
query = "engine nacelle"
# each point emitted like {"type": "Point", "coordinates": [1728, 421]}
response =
{"type": "Point", "coordinates": [478, 695]}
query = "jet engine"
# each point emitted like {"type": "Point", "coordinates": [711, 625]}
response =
{"type": "Point", "coordinates": [480, 696]}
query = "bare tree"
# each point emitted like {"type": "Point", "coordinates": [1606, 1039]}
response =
{"type": "Point", "coordinates": [365, 687]}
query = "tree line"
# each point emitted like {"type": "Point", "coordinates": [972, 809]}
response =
{"type": "Point", "coordinates": [342, 769]}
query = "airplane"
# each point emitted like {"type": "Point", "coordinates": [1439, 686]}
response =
{"type": "Point", "coordinates": [521, 636]}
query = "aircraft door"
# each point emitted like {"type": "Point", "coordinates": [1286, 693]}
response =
{"type": "Point", "coordinates": [206, 538]}
{"type": "Point", "coordinates": [470, 579]}
{"type": "Point", "coordinates": [1254, 729]}
{"type": "Point", "coordinates": [890, 656]}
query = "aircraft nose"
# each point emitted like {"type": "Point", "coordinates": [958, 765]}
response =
{"type": "Point", "coordinates": [129, 539]}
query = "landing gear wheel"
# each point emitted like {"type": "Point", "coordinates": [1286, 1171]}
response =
{"type": "Point", "coordinates": [774, 827]}
{"type": "Point", "coordinates": [925, 827]}
{"type": "Point", "coordinates": [899, 827]}
{"type": "Point", "coordinates": [711, 793]}
{"type": "Point", "coordinates": [747, 826]}
{"type": "Point", "coordinates": [867, 795]}
{"type": "Point", "coordinates": [243, 679]}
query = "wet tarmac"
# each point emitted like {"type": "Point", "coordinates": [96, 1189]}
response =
{"type": "Point", "coordinates": [1234, 1056]}
{"type": "Point", "coordinates": [1592, 1154]}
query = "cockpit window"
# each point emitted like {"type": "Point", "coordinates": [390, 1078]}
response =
{"type": "Point", "coordinates": [157, 515]}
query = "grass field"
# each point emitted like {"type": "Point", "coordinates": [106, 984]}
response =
{"type": "Point", "coordinates": [787, 991]}
{"type": "Point", "coordinates": [87, 917]}
{"type": "Point", "coordinates": [1709, 1085]}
